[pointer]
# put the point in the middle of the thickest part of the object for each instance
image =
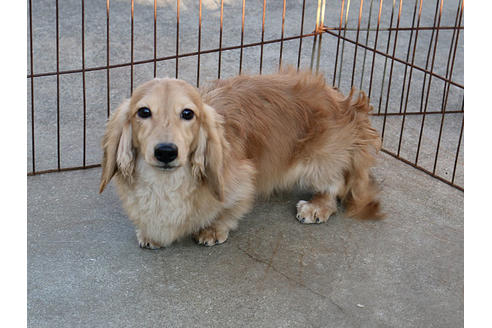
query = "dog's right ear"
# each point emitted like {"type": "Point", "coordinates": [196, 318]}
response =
{"type": "Point", "coordinates": [117, 145]}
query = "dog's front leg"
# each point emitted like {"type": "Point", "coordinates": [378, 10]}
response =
{"type": "Point", "coordinates": [218, 231]}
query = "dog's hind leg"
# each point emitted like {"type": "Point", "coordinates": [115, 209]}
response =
{"type": "Point", "coordinates": [318, 209]}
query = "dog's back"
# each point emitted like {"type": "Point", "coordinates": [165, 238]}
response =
{"type": "Point", "coordinates": [298, 130]}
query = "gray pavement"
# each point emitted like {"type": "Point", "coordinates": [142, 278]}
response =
{"type": "Point", "coordinates": [85, 268]}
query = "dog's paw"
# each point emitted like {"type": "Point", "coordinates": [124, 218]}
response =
{"type": "Point", "coordinates": [144, 242]}
{"type": "Point", "coordinates": [210, 236]}
{"type": "Point", "coordinates": [313, 213]}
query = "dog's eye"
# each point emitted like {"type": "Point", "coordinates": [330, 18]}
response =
{"type": "Point", "coordinates": [144, 112]}
{"type": "Point", "coordinates": [187, 114]}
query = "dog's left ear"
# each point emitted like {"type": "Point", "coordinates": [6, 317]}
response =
{"type": "Point", "coordinates": [208, 157]}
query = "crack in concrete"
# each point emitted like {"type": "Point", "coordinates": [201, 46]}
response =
{"type": "Point", "coordinates": [296, 282]}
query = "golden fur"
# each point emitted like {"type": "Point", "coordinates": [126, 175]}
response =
{"type": "Point", "coordinates": [251, 135]}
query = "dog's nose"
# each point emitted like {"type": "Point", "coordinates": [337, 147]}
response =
{"type": "Point", "coordinates": [166, 152]}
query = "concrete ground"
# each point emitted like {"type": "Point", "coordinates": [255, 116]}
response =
{"type": "Point", "coordinates": [85, 268]}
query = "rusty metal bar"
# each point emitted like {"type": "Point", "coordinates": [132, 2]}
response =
{"type": "Point", "coordinates": [446, 86]}
{"type": "Point", "coordinates": [365, 49]}
{"type": "Point", "coordinates": [58, 154]}
{"type": "Point", "coordinates": [199, 43]}
{"type": "Point", "coordinates": [386, 58]}
{"type": "Point", "coordinates": [189, 54]}
{"type": "Point", "coordinates": [391, 71]}
{"type": "Point", "coordinates": [108, 85]}
{"type": "Point", "coordinates": [375, 49]}
{"type": "Point", "coordinates": [422, 169]}
{"type": "Point", "coordinates": [458, 149]}
{"type": "Point", "coordinates": [428, 55]}
{"type": "Point", "coordinates": [429, 84]}
{"type": "Point", "coordinates": [401, 29]}
{"type": "Point", "coordinates": [155, 38]}
{"type": "Point", "coordinates": [431, 73]}
{"type": "Point", "coordinates": [131, 49]}
{"type": "Point", "coordinates": [84, 142]}
{"type": "Point", "coordinates": [282, 37]}
{"type": "Point", "coordinates": [177, 38]}
{"type": "Point", "coordinates": [31, 65]}
{"type": "Point", "coordinates": [316, 30]}
{"type": "Point", "coordinates": [408, 56]}
{"type": "Point", "coordinates": [320, 39]}
{"type": "Point", "coordinates": [220, 37]}
{"type": "Point", "coordinates": [343, 43]}
{"type": "Point", "coordinates": [418, 113]}
{"type": "Point", "coordinates": [356, 41]}
{"type": "Point", "coordinates": [410, 78]}
{"type": "Point", "coordinates": [301, 32]}
{"type": "Point", "coordinates": [242, 38]}
{"type": "Point", "coordinates": [262, 36]}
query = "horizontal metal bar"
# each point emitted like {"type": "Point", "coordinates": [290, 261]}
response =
{"type": "Point", "coordinates": [422, 169]}
{"type": "Point", "coordinates": [418, 113]}
{"type": "Point", "coordinates": [420, 28]}
{"type": "Point", "coordinates": [190, 54]}
{"type": "Point", "coordinates": [396, 59]}
{"type": "Point", "coordinates": [64, 169]}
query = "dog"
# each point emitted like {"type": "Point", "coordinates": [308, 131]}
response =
{"type": "Point", "coordinates": [190, 161]}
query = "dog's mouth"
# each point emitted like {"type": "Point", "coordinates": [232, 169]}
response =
{"type": "Point", "coordinates": [167, 167]}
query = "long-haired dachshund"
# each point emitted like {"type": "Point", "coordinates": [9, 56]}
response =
{"type": "Point", "coordinates": [189, 161]}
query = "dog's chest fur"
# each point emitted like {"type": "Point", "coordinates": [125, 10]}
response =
{"type": "Point", "coordinates": [166, 205]}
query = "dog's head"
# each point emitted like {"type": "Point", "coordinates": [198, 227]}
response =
{"type": "Point", "coordinates": [167, 124]}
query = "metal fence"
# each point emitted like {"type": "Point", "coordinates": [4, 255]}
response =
{"type": "Point", "coordinates": [86, 56]}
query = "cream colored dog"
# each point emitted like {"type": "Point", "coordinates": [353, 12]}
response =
{"type": "Point", "coordinates": [189, 161]}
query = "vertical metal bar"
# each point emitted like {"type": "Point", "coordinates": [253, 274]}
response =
{"type": "Point", "coordinates": [408, 56]}
{"type": "Point", "coordinates": [429, 84]}
{"type": "Point", "coordinates": [57, 88]}
{"type": "Point", "coordinates": [282, 38]}
{"type": "Point", "coordinates": [356, 42]}
{"type": "Point", "coordinates": [458, 148]}
{"type": "Point", "coordinates": [302, 32]}
{"type": "Point", "coordinates": [262, 36]}
{"type": "Point", "coordinates": [386, 58]}
{"type": "Point", "coordinates": [343, 42]}
{"type": "Point", "coordinates": [316, 31]}
{"type": "Point", "coordinates": [108, 85]}
{"type": "Point", "coordinates": [338, 42]}
{"type": "Point", "coordinates": [320, 40]}
{"type": "Point", "coordinates": [242, 39]}
{"type": "Point", "coordinates": [131, 51]}
{"type": "Point", "coordinates": [391, 70]}
{"type": "Point", "coordinates": [410, 78]}
{"type": "Point", "coordinates": [446, 92]}
{"type": "Point", "coordinates": [83, 86]}
{"type": "Point", "coordinates": [375, 48]}
{"type": "Point", "coordinates": [367, 41]}
{"type": "Point", "coordinates": [428, 56]}
{"type": "Point", "coordinates": [177, 37]}
{"type": "Point", "coordinates": [155, 38]}
{"type": "Point", "coordinates": [220, 36]}
{"type": "Point", "coordinates": [199, 43]}
{"type": "Point", "coordinates": [33, 144]}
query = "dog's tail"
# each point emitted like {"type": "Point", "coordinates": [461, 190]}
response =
{"type": "Point", "coordinates": [359, 196]}
{"type": "Point", "coordinates": [360, 200]}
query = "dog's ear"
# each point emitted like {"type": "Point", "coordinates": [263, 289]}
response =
{"type": "Point", "coordinates": [117, 145]}
{"type": "Point", "coordinates": [208, 158]}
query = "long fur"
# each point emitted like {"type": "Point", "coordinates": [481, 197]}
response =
{"type": "Point", "coordinates": [252, 135]}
